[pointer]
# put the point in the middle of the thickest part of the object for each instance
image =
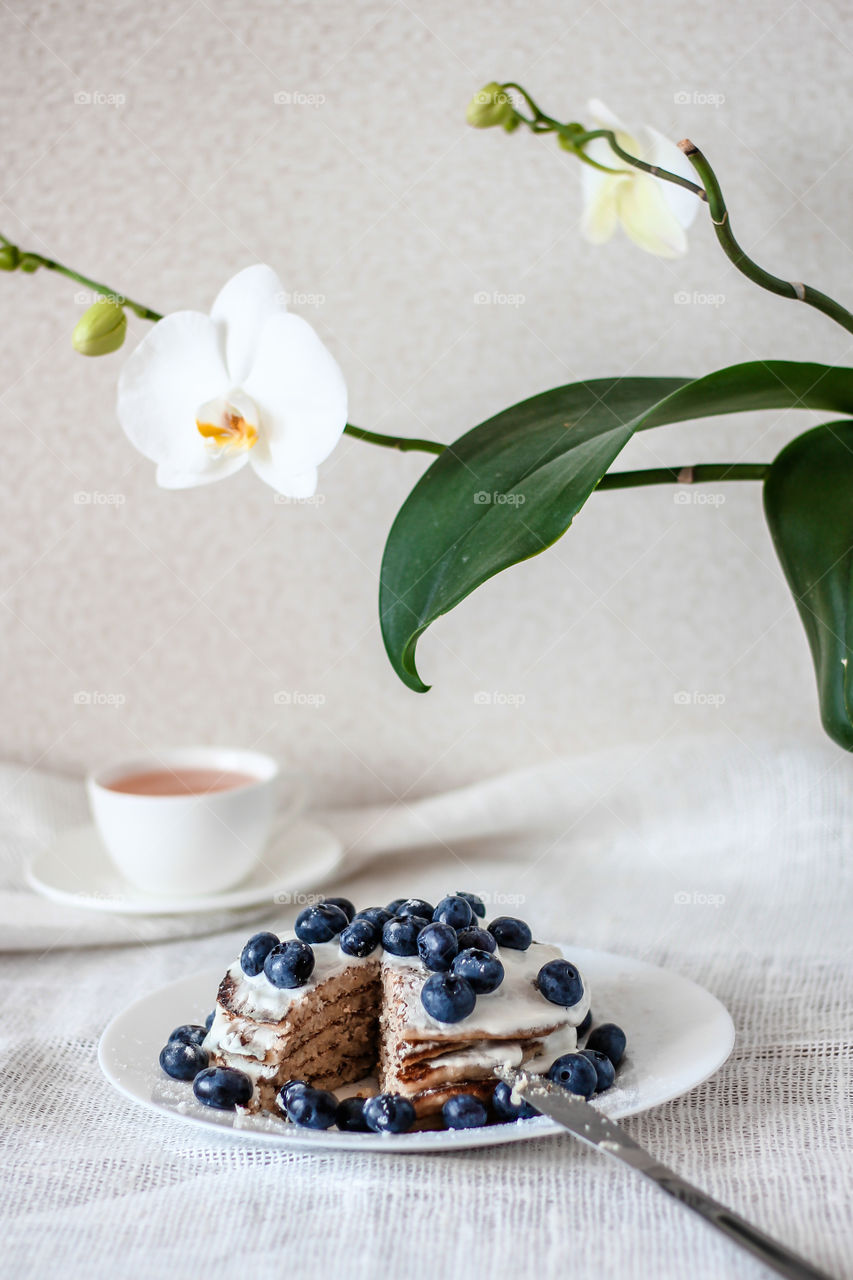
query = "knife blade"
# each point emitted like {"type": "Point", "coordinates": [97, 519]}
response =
{"type": "Point", "coordinates": [588, 1124]}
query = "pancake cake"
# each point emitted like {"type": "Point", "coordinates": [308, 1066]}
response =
{"type": "Point", "coordinates": [425, 999]}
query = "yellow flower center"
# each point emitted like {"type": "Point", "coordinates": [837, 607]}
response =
{"type": "Point", "coordinates": [232, 434]}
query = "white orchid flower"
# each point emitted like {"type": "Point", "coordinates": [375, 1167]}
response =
{"type": "Point", "coordinates": [653, 213]}
{"type": "Point", "coordinates": [202, 395]}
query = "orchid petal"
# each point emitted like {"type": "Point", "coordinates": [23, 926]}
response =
{"type": "Point", "coordinates": [301, 484]}
{"type": "Point", "coordinates": [242, 308]}
{"type": "Point", "coordinates": [301, 397]}
{"type": "Point", "coordinates": [601, 204]}
{"type": "Point", "coordinates": [648, 220]}
{"type": "Point", "coordinates": [170, 476]}
{"type": "Point", "coordinates": [603, 117]}
{"type": "Point", "coordinates": [176, 368]}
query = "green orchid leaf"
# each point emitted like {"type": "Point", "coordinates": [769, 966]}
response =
{"type": "Point", "coordinates": [808, 500]}
{"type": "Point", "coordinates": [512, 486]}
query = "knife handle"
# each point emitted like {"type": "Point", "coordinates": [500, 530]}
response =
{"type": "Point", "coordinates": [770, 1252]}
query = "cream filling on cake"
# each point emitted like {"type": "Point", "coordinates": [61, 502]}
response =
{"type": "Point", "coordinates": [516, 1010]}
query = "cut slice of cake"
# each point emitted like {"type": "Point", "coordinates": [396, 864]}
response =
{"type": "Point", "coordinates": [359, 1015]}
{"type": "Point", "coordinates": [325, 1032]}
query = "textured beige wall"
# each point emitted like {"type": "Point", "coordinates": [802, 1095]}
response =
{"type": "Point", "coordinates": [388, 215]}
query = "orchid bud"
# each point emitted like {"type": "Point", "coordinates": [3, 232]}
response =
{"type": "Point", "coordinates": [10, 257]}
{"type": "Point", "coordinates": [491, 106]}
{"type": "Point", "coordinates": [100, 330]}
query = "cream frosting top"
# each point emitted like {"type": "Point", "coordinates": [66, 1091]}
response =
{"type": "Point", "coordinates": [257, 997]}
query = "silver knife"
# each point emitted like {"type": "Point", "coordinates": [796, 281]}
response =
{"type": "Point", "coordinates": [585, 1122]}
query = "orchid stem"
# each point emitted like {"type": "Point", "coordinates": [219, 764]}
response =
{"type": "Point", "coordinates": [700, 474]}
{"type": "Point", "coordinates": [29, 261]}
{"type": "Point", "coordinates": [405, 444]}
{"type": "Point", "coordinates": [774, 284]}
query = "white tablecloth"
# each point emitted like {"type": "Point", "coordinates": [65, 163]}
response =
{"type": "Point", "coordinates": [728, 862]}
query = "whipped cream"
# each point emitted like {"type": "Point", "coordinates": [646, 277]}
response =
{"type": "Point", "coordinates": [256, 997]}
{"type": "Point", "coordinates": [516, 1006]}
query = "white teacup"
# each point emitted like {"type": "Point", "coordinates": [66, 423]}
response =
{"type": "Point", "coordinates": [168, 839]}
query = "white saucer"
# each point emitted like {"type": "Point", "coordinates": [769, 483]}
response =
{"type": "Point", "coordinates": [678, 1036]}
{"type": "Point", "coordinates": [76, 870]}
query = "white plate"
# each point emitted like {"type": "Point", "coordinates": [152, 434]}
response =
{"type": "Point", "coordinates": [678, 1036]}
{"type": "Point", "coordinates": [77, 870]}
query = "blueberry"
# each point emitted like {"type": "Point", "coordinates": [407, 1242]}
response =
{"type": "Point", "coordinates": [448, 998]}
{"type": "Point", "coordinates": [585, 1025]}
{"type": "Point", "coordinates": [360, 937]}
{"type": "Point", "coordinates": [575, 1073]}
{"type": "Point", "coordinates": [394, 906]}
{"type": "Point", "coordinates": [512, 933]}
{"type": "Point", "coordinates": [320, 923]}
{"type": "Point", "coordinates": [474, 937]}
{"type": "Point", "coordinates": [290, 964]}
{"type": "Point", "coordinates": [345, 905]}
{"type": "Point", "coordinates": [415, 907]}
{"type": "Point", "coordinates": [223, 1087]}
{"type": "Point", "coordinates": [389, 1113]}
{"type": "Point", "coordinates": [560, 983]}
{"type": "Point", "coordinates": [255, 952]}
{"type": "Point", "coordinates": [400, 936]}
{"type": "Point", "coordinates": [350, 1116]}
{"type": "Point", "coordinates": [604, 1068]}
{"type": "Point", "coordinates": [456, 912]}
{"type": "Point", "coordinates": [208, 1022]}
{"type": "Point", "coordinates": [504, 1107]}
{"type": "Point", "coordinates": [377, 915]}
{"type": "Point", "coordinates": [483, 970]}
{"type": "Point", "coordinates": [312, 1108]}
{"type": "Point", "coordinates": [476, 903]}
{"type": "Point", "coordinates": [464, 1111]}
{"type": "Point", "coordinates": [609, 1039]}
{"type": "Point", "coordinates": [182, 1060]}
{"type": "Point", "coordinates": [189, 1033]}
{"type": "Point", "coordinates": [288, 1090]}
{"type": "Point", "coordinates": [437, 945]}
